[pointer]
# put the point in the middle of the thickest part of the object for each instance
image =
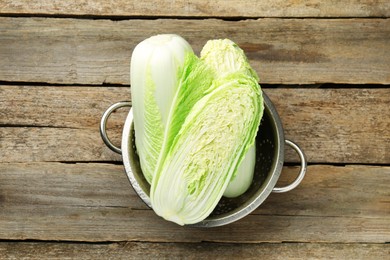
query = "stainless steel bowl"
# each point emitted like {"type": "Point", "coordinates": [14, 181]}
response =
{"type": "Point", "coordinates": [270, 143]}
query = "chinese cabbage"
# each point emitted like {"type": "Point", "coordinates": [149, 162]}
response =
{"type": "Point", "coordinates": [155, 71]}
{"type": "Point", "coordinates": [204, 146]}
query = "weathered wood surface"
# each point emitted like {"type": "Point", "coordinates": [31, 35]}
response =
{"type": "Point", "coordinates": [287, 51]}
{"type": "Point", "coordinates": [43, 123]}
{"type": "Point", "coordinates": [95, 202]}
{"type": "Point", "coordinates": [203, 8]}
{"type": "Point", "coordinates": [80, 52]}
{"type": "Point", "coordinates": [139, 250]}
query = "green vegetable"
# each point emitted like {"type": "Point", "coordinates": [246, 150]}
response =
{"type": "Point", "coordinates": [156, 66]}
{"type": "Point", "coordinates": [211, 125]}
{"type": "Point", "coordinates": [226, 57]}
{"type": "Point", "coordinates": [240, 183]}
{"type": "Point", "coordinates": [195, 123]}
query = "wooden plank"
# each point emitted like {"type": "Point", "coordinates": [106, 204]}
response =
{"type": "Point", "coordinates": [287, 51]}
{"type": "Point", "coordinates": [23, 144]}
{"type": "Point", "coordinates": [348, 126]}
{"type": "Point", "coordinates": [101, 224]}
{"type": "Point", "coordinates": [139, 250]}
{"type": "Point", "coordinates": [203, 8]}
{"type": "Point", "coordinates": [331, 121]}
{"type": "Point", "coordinates": [94, 202]}
{"type": "Point", "coordinates": [333, 191]}
{"type": "Point", "coordinates": [62, 106]}
{"type": "Point", "coordinates": [81, 184]}
{"type": "Point", "coordinates": [107, 184]}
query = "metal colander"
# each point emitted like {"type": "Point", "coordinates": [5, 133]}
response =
{"type": "Point", "coordinates": [269, 162]}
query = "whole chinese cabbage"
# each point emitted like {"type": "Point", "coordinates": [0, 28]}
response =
{"type": "Point", "coordinates": [156, 66]}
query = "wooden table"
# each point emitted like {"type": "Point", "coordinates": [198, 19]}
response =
{"type": "Point", "coordinates": [63, 193]}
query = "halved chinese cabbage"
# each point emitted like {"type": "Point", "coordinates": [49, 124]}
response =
{"type": "Point", "coordinates": [225, 57]}
{"type": "Point", "coordinates": [212, 124]}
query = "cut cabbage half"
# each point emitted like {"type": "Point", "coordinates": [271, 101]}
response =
{"type": "Point", "coordinates": [212, 124]}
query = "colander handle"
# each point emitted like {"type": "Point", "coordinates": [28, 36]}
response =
{"type": "Point", "coordinates": [301, 174]}
{"type": "Point", "coordinates": [103, 124]}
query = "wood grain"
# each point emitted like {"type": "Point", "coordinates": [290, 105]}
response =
{"type": "Point", "coordinates": [74, 107]}
{"type": "Point", "coordinates": [43, 123]}
{"type": "Point", "coordinates": [23, 144]}
{"type": "Point", "coordinates": [286, 51]}
{"type": "Point", "coordinates": [203, 8]}
{"type": "Point", "coordinates": [64, 194]}
{"type": "Point", "coordinates": [355, 123]}
{"type": "Point", "coordinates": [205, 250]}
{"type": "Point", "coordinates": [94, 202]}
